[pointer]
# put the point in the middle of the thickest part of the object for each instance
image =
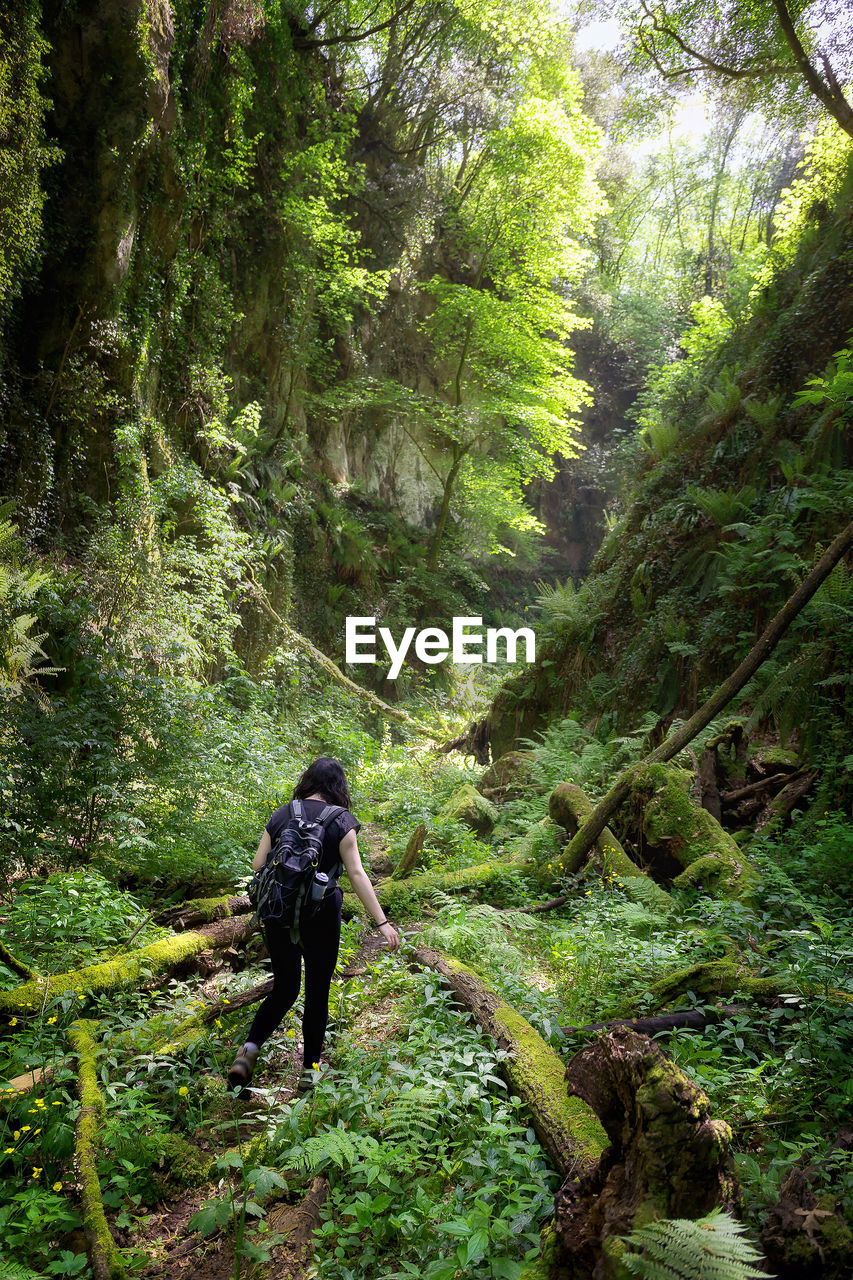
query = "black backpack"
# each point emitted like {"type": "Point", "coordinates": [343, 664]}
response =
{"type": "Point", "coordinates": [288, 888]}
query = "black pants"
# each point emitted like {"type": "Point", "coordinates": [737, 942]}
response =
{"type": "Point", "coordinates": [318, 945]}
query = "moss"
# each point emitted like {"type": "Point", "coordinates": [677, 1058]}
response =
{"type": "Point", "coordinates": [510, 771]}
{"type": "Point", "coordinates": [467, 806]}
{"type": "Point", "coordinates": [536, 1071]}
{"type": "Point", "coordinates": [570, 806]}
{"type": "Point", "coordinates": [208, 909]}
{"type": "Point", "coordinates": [107, 975]}
{"type": "Point", "coordinates": [777, 757]}
{"type": "Point", "coordinates": [184, 1165]}
{"type": "Point", "coordinates": [672, 820]}
{"type": "Point", "coordinates": [92, 1109]}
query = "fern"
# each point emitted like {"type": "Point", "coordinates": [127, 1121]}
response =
{"type": "Point", "coordinates": [712, 1248]}
{"type": "Point", "coordinates": [412, 1118]}
{"type": "Point", "coordinates": [11, 1270]}
{"type": "Point", "coordinates": [333, 1146]}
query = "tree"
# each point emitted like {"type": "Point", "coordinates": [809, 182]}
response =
{"type": "Point", "coordinates": [499, 329]}
{"type": "Point", "coordinates": [775, 50]}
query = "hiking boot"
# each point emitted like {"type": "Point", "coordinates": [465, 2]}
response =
{"type": "Point", "coordinates": [243, 1067]}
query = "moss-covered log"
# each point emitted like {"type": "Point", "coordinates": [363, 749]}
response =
{"type": "Point", "coordinates": [570, 806]}
{"type": "Point", "coordinates": [580, 845]}
{"type": "Point", "coordinates": [724, 977]}
{"type": "Point", "coordinates": [332, 669]}
{"type": "Point", "coordinates": [412, 853]}
{"type": "Point", "coordinates": [104, 1257]}
{"type": "Point", "coordinates": [166, 955]}
{"type": "Point", "coordinates": [565, 1126]}
{"type": "Point", "coordinates": [186, 915]}
{"type": "Point", "coordinates": [667, 1157]}
{"type": "Point", "coordinates": [687, 835]}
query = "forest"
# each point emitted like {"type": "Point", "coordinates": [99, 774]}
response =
{"type": "Point", "coordinates": [530, 317]}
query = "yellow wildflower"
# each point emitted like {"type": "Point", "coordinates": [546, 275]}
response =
{"type": "Point", "coordinates": [57, 1186]}
{"type": "Point", "coordinates": [36, 1171]}
{"type": "Point", "coordinates": [25, 1128]}
{"type": "Point", "coordinates": [183, 1091]}
{"type": "Point", "coordinates": [50, 1020]}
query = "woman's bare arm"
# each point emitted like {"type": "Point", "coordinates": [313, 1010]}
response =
{"type": "Point", "coordinates": [263, 849]}
{"type": "Point", "coordinates": [363, 889]}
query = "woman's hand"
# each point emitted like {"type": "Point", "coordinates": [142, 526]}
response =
{"type": "Point", "coordinates": [391, 936]}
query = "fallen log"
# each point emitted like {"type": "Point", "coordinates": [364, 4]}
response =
{"type": "Point", "coordinates": [565, 1126]}
{"type": "Point", "coordinates": [686, 1020]}
{"type": "Point", "coordinates": [332, 670]}
{"type": "Point", "coordinates": [474, 742]}
{"type": "Point", "coordinates": [399, 896]}
{"type": "Point", "coordinates": [12, 962]}
{"type": "Point", "coordinates": [727, 975]}
{"type": "Point", "coordinates": [667, 1157]}
{"type": "Point", "coordinates": [297, 1222]}
{"type": "Point", "coordinates": [753, 788]}
{"type": "Point", "coordinates": [550, 905]}
{"type": "Point", "coordinates": [781, 805]}
{"type": "Point", "coordinates": [412, 853]}
{"type": "Point", "coordinates": [577, 849]}
{"type": "Point", "coordinates": [165, 956]}
{"type": "Point", "coordinates": [205, 910]}
{"type": "Point", "coordinates": [104, 1257]}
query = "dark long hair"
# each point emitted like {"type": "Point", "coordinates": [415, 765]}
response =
{"type": "Point", "coordinates": [326, 777]}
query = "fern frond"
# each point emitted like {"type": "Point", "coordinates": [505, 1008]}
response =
{"type": "Point", "coordinates": [412, 1118]}
{"type": "Point", "coordinates": [332, 1146]}
{"type": "Point", "coordinates": [712, 1248]}
{"type": "Point", "coordinates": [11, 1270]}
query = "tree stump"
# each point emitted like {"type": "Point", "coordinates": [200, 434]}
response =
{"type": "Point", "coordinates": [667, 1158]}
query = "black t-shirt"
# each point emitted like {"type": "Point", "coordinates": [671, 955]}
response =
{"type": "Point", "coordinates": [332, 837]}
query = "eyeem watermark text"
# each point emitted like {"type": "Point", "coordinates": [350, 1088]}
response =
{"type": "Point", "coordinates": [432, 644]}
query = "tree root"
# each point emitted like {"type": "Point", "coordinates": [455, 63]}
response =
{"type": "Point", "coordinates": [566, 1127]}
{"type": "Point", "coordinates": [104, 1257]}
{"type": "Point", "coordinates": [179, 953]}
{"type": "Point", "coordinates": [298, 1222]}
{"type": "Point", "coordinates": [688, 835]}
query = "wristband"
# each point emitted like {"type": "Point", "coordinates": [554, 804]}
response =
{"type": "Point", "coordinates": [379, 923]}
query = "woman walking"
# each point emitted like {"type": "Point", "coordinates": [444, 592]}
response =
{"type": "Point", "coordinates": [323, 783]}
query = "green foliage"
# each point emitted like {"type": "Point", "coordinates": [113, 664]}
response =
{"type": "Point", "coordinates": [711, 1248]}
{"type": "Point", "coordinates": [25, 152]}
{"type": "Point", "coordinates": [21, 655]}
{"type": "Point", "coordinates": [71, 918]}
{"type": "Point", "coordinates": [434, 1170]}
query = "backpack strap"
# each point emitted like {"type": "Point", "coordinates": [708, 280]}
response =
{"type": "Point", "coordinates": [296, 810]}
{"type": "Point", "coordinates": [329, 814]}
